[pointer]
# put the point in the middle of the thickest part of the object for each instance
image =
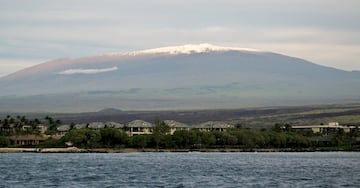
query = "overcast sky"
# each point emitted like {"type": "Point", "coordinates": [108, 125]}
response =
{"type": "Point", "coordinates": [326, 32]}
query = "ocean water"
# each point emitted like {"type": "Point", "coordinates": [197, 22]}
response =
{"type": "Point", "coordinates": [327, 169]}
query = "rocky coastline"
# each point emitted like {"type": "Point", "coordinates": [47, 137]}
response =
{"type": "Point", "coordinates": [132, 150]}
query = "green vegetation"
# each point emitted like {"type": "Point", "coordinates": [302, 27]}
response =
{"type": "Point", "coordinates": [52, 143]}
{"type": "Point", "coordinates": [52, 125]}
{"type": "Point", "coordinates": [4, 142]}
{"type": "Point", "coordinates": [22, 126]}
{"type": "Point", "coordinates": [161, 129]}
{"type": "Point", "coordinates": [18, 125]}
{"type": "Point", "coordinates": [84, 138]}
{"type": "Point", "coordinates": [281, 136]}
{"type": "Point", "coordinates": [111, 138]}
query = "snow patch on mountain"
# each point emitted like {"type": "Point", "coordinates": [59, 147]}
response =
{"type": "Point", "coordinates": [87, 71]}
{"type": "Point", "coordinates": [185, 49]}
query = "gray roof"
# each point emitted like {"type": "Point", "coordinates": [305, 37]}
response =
{"type": "Point", "coordinates": [63, 128]}
{"type": "Point", "coordinates": [111, 124]}
{"type": "Point", "coordinates": [214, 124]}
{"type": "Point", "coordinates": [96, 125]}
{"type": "Point", "coordinates": [139, 123]}
{"type": "Point", "coordinates": [175, 124]}
{"type": "Point", "coordinates": [80, 126]}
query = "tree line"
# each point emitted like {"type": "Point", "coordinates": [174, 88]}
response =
{"type": "Point", "coordinates": [21, 125]}
{"type": "Point", "coordinates": [242, 138]}
{"type": "Point", "coordinates": [280, 136]}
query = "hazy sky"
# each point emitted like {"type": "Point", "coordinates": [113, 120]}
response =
{"type": "Point", "coordinates": [326, 32]}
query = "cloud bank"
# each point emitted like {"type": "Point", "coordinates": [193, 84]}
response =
{"type": "Point", "coordinates": [87, 71]}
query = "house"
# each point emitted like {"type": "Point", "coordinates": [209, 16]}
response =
{"type": "Point", "coordinates": [26, 140]}
{"type": "Point", "coordinates": [96, 125]}
{"type": "Point", "coordinates": [40, 128]}
{"type": "Point", "coordinates": [7, 128]}
{"type": "Point", "coordinates": [63, 129]}
{"type": "Point", "coordinates": [176, 126]}
{"type": "Point", "coordinates": [26, 127]}
{"type": "Point", "coordinates": [139, 127]}
{"type": "Point", "coordinates": [331, 127]}
{"type": "Point", "coordinates": [111, 124]}
{"type": "Point", "coordinates": [80, 126]}
{"type": "Point", "coordinates": [213, 126]}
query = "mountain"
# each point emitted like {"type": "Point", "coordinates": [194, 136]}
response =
{"type": "Point", "coordinates": [179, 77]}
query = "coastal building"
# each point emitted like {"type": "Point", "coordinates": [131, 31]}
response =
{"type": "Point", "coordinates": [176, 126]}
{"type": "Point", "coordinates": [96, 125]}
{"type": "Point", "coordinates": [8, 127]}
{"type": "Point", "coordinates": [42, 128]}
{"type": "Point", "coordinates": [324, 129]}
{"type": "Point", "coordinates": [139, 127]}
{"type": "Point", "coordinates": [26, 140]}
{"type": "Point", "coordinates": [213, 126]}
{"type": "Point", "coordinates": [26, 127]}
{"type": "Point", "coordinates": [39, 128]}
{"type": "Point", "coordinates": [111, 124]}
{"type": "Point", "coordinates": [63, 129]}
{"type": "Point", "coordinates": [80, 126]}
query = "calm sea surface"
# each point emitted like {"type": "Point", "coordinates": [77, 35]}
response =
{"type": "Point", "coordinates": [330, 169]}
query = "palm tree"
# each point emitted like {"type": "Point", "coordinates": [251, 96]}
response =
{"type": "Point", "coordinates": [50, 120]}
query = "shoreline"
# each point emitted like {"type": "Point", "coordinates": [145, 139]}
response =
{"type": "Point", "coordinates": [136, 150]}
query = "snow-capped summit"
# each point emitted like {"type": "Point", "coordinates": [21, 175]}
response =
{"type": "Point", "coordinates": [179, 77]}
{"type": "Point", "coordinates": [186, 49]}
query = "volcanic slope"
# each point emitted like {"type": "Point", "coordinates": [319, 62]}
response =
{"type": "Point", "coordinates": [179, 77]}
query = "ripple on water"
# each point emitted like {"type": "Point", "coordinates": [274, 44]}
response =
{"type": "Point", "coordinates": [331, 169]}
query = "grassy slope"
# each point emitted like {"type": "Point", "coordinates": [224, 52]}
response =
{"type": "Point", "coordinates": [250, 117]}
